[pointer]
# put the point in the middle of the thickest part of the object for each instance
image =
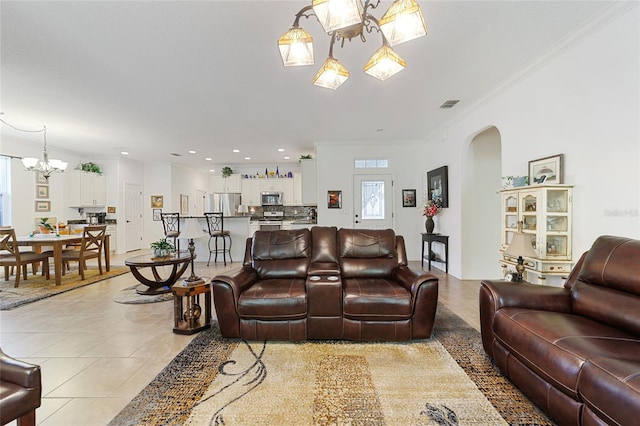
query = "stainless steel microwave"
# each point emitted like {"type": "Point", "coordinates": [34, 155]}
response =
{"type": "Point", "coordinates": [271, 198]}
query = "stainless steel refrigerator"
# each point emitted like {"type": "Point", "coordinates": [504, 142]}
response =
{"type": "Point", "coordinates": [222, 202]}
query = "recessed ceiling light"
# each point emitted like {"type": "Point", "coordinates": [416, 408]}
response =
{"type": "Point", "coordinates": [208, 158]}
{"type": "Point", "coordinates": [124, 153]}
{"type": "Point", "coordinates": [236, 150]}
{"type": "Point", "coordinates": [286, 157]}
{"type": "Point", "coordinates": [192, 152]}
{"type": "Point", "coordinates": [247, 158]}
{"type": "Point", "coordinates": [280, 149]}
{"type": "Point", "coordinates": [212, 170]}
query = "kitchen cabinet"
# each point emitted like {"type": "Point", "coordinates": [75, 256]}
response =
{"type": "Point", "coordinates": [113, 242]}
{"type": "Point", "coordinates": [254, 226]}
{"type": "Point", "coordinates": [309, 181]}
{"type": "Point", "coordinates": [297, 189]}
{"type": "Point", "coordinates": [231, 184]}
{"type": "Point", "coordinates": [545, 212]}
{"type": "Point", "coordinates": [251, 192]}
{"type": "Point", "coordinates": [84, 189]}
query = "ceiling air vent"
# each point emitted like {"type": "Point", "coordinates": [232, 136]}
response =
{"type": "Point", "coordinates": [175, 154]}
{"type": "Point", "coordinates": [449, 104]}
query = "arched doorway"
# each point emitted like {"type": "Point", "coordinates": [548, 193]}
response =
{"type": "Point", "coordinates": [481, 180]}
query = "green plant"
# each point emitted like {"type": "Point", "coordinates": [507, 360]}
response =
{"type": "Point", "coordinates": [306, 157]}
{"type": "Point", "coordinates": [45, 224]}
{"type": "Point", "coordinates": [162, 244]}
{"type": "Point", "coordinates": [226, 171]}
{"type": "Point", "coordinates": [90, 167]}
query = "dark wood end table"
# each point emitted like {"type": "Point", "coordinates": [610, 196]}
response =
{"type": "Point", "coordinates": [157, 285]}
{"type": "Point", "coordinates": [438, 238]}
{"type": "Point", "coordinates": [188, 316]}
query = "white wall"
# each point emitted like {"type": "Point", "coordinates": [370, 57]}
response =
{"type": "Point", "coordinates": [335, 168]}
{"type": "Point", "coordinates": [583, 104]}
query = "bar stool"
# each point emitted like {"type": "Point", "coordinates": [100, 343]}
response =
{"type": "Point", "coordinates": [171, 224]}
{"type": "Point", "coordinates": [215, 223]}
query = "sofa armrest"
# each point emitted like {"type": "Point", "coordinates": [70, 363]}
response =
{"type": "Point", "coordinates": [495, 295]}
{"type": "Point", "coordinates": [19, 372]}
{"type": "Point", "coordinates": [411, 279]}
{"type": "Point", "coordinates": [226, 292]}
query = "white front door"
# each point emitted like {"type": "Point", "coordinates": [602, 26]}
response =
{"type": "Point", "coordinates": [373, 201]}
{"type": "Point", "coordinates": [133, 216]}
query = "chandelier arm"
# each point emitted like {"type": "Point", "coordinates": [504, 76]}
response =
{"type": "Point", "coordinates": [334, 35]}
{"type": "Point", "coordinates": [301, 13]}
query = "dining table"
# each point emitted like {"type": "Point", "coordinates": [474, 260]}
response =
{"type": "Point", "coordinates": [38, 241]}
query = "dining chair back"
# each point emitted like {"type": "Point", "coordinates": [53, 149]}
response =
{"type": "Point", "coordinates": [171, 224]}
{"type": "Point", "coordinates": [215, 224]}
{"type": "Point", "coordinates": [12, 256]}
{"type": "Point", "coordinates": [91, 247]}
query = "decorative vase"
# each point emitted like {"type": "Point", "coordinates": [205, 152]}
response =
{"type": "Point", "coordinates": [429, 224]}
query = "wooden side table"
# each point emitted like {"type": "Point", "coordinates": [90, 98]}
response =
{"type": "Point", "coordinates": [188, 316]}
{"type": "Point", "coordinates": [439, 238]}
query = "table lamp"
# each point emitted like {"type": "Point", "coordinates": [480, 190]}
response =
{"type": "Point", "coordinates": [243, 208]}
{"type": "Point", "coordinates": [520, 246]}
{"type": "Point", "coordinates": [191, 232]}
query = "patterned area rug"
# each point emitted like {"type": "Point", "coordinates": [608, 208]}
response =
{"type": "Point", "coordinates": [446, 380]}
{"type": "Point", "coordinates": [37, 288]}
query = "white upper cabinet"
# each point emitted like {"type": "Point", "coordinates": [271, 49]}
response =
{"type": "Point", "coordinates": [84, 189]}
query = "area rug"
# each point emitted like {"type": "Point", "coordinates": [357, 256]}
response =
{"type": "Point", "coordinates": [37, 287]}
{"type": "Point", "coordinates": [129, 295]}
{"type": "Point", "coordinates": [446, 380]}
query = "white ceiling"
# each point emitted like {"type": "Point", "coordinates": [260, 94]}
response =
{"type": "Point", "coordinates": [155, 78]}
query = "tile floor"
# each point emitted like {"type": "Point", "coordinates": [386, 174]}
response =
{"type": "Point", "coordinates": [96, 354]}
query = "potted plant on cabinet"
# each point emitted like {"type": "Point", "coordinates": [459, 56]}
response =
{"type": "Point", "coordinates": [162, 248]}
{"type": "Point", "coordinates": [226, 172]}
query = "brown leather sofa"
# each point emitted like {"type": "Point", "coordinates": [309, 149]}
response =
{"type": "Point", "coordinates": [20, 391]}
{"type": "Point", "coordinates": [574, 351]}
{"type": "Point", "coordinates": [325, 283]}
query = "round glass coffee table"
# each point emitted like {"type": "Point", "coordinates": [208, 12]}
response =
{"type": "Point", "coordinates": [157, 284]}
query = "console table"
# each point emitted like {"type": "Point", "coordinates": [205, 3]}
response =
{"type": "Point", "coordinates": [438, 238]}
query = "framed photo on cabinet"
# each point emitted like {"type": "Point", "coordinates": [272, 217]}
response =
{"type": "Point", "coordinates": [546, 170]}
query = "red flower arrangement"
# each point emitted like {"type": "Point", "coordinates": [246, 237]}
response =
{"type": "Point", "coordinates": [432, 207]}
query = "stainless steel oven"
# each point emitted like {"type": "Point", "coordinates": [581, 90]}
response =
{"type": "Point", "coordinates": [271, 220]}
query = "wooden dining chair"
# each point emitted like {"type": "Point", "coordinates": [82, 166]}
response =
{"type": "Point", "coordinates": [12, 256]}
{"type": "Point", "coordinates": [91, 247]}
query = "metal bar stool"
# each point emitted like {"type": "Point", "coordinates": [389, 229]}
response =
{"type": "Point", "coordinates": [171, 224]}
{"type": "Point", "coordinates": [215, 223]}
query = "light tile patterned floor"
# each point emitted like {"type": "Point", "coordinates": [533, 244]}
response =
{"type": "Point", "coordinates": [96, 354]}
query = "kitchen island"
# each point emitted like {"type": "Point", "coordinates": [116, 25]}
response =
{"type": "Point", "coordinates": [238, 227]}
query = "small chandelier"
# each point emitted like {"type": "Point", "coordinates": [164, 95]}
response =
{"type": "Point", "coordinates": [346, 19]}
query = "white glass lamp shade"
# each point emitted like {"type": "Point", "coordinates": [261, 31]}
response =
{"type": "Point", "coordinates": [58, 165]}
{"type": "Point", "coordinates": [403, 22]}
{"type": "Point", "coordinates": [521, 246]}
{"type": "Point", "coordinates": [296, 48]}
{"type": "Point", "coordinates": [336, 14]}
{"type": "Point", "coordinates": [192, 230]}
{"type": "Point", "coordinates": [29, 162]}
{"type": "Point", "coordinates": [331, 75]}
{"type": "Point", "coordinates": [384, 63]}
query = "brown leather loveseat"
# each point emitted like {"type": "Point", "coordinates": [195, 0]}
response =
{"type": "Point", "coordinates": [575, 351]}
{"type": "Point", "coordinates": [325, 283]}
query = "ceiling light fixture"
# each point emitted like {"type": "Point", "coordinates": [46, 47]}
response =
{"type": "Point", "coordinates": [346, 19]}
{"type": "Point", "coordinates": [45, 166]}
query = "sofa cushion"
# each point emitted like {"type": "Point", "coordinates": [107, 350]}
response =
{"type": "Point", "coordinates": [611, 389]}
{"type": "Point", "coordinates": [375, 299]}
{"type": "Point", "coordinates": [279, 298]}
{"type": "Point", "coordinates": [367, 252]}
{"type": "Point", "coordinates": [536, 337]}
{"type": "Point", "coordinates": [608, 286]}
{"type": "Point", "coordinates": [281, 254]}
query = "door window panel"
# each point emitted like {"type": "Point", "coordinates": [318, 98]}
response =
{"type": "Point", "coordinates": [372, 200]}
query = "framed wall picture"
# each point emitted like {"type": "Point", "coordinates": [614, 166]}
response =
{"type": "Point", "coordinates": [334, 199]}
{"type": "Point", "coordinates": [157, 214]}
{"type": "Point", "coordinates": [40, 178]}
{"type": "Point", "coordinates": [546, 170]}
{"type": "Point", "coordinates": [438, 185]}
{"type": "Point", "coordinates": [42, 191]}
{"type": "Point", "coordinates": [43, 206]}
{"type": "Point", "coordinates": [184, 204]}
{"type": "Point", "coordinates": [408, 198]}
{"type": "Point", "coordinates": [157, 201]}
